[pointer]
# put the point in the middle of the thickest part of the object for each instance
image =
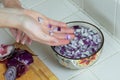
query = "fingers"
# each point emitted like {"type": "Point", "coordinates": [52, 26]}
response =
{"type": "Point", "coordinates": [63, 30]}
{"type": "Point", "coordinates": [51, 27]}
{"type": "Point", "coordinates": [64, 36]}
{"type": "Point", "coordinates": [59, 31]}
{"type": "Point", "coordinates": [25, 38]}
{"type": "Point", "coordinates": [60, 42]}
{"type": "Point", "coordinates": [49, 38]}
{"type": "Point", "coordinates": [29, 41]}
{"type": "Point", "coordinates": [57, 39]}
{"type": "Point", "coordinates": [18, 36]}
{"type": "Point", "coordinates": [57, 23]}
{"type": "Point", "coordinates": [56, 36]}
{"type": "Point", "coordinates": [62, 39]}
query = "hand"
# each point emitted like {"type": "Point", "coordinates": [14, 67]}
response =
{"type": "Point", "coordinates": [20, 36]}
{"type": "Point", "coordinates": [44, 30]}
{"type": "Point", "coordinates": [37, 27]}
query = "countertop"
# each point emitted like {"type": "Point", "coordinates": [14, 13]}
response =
{"type": "Point", "coordinates": [106, 68]}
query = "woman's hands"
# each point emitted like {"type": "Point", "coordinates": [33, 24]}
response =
{"type": "Point", "coordinates": [44, 30]}
{"type": "Point", "coordinates": [30, 25]}
{"type": "Point", "coordinates": [37, 27]}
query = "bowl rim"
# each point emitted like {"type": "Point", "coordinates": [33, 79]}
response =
{"type": "Point", "coordinates": [87, 56]}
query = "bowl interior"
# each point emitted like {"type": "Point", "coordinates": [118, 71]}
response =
{"type": "Point", "coordinates": [88, 25]}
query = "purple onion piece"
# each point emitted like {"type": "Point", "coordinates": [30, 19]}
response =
{"type": "Point", "coordinates": [76, 27]}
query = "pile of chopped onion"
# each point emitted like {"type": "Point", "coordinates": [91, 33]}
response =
{"type": "Point", "coordinates": [87, 41]}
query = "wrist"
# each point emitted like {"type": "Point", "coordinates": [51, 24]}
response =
{"type": "Point", "coordinates": [12, 18]}
{"type": "Point", "coordinates": [8, 20]}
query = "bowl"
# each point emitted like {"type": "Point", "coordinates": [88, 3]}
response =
{"type": "Point", "coordinates": [84, 50]}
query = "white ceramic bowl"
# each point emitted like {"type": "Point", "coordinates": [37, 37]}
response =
{"type": "Point", "coordinates": [81, 62]}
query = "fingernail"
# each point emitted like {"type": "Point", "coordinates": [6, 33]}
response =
{"type": "Point", "coordinates": [23, 42]}
{"type": "Point", "coordinates": [17, 40]}
{"type": "Point", "coordinates": [68, 37]}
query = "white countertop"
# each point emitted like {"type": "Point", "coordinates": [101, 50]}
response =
{"type": "Point", "coordinates": [106, 68]}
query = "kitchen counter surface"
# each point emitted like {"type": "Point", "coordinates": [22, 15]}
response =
{"type": "Point", "coordinates": [63, 10]}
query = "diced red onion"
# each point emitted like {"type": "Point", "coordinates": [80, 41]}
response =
{"type": "Point", "coordinates": [85, 43]}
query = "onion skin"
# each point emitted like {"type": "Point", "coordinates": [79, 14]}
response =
{"type": "Point", "coordinates": [10, 74]}
{"type": "Point", "coordinates": [20, 67]}
{"type": "Point", "coordinates": [16, 58]}
{"type": "Point", "coordinates": [23, 56]}
{"type": "Point", "coordinates": [20, 59]}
